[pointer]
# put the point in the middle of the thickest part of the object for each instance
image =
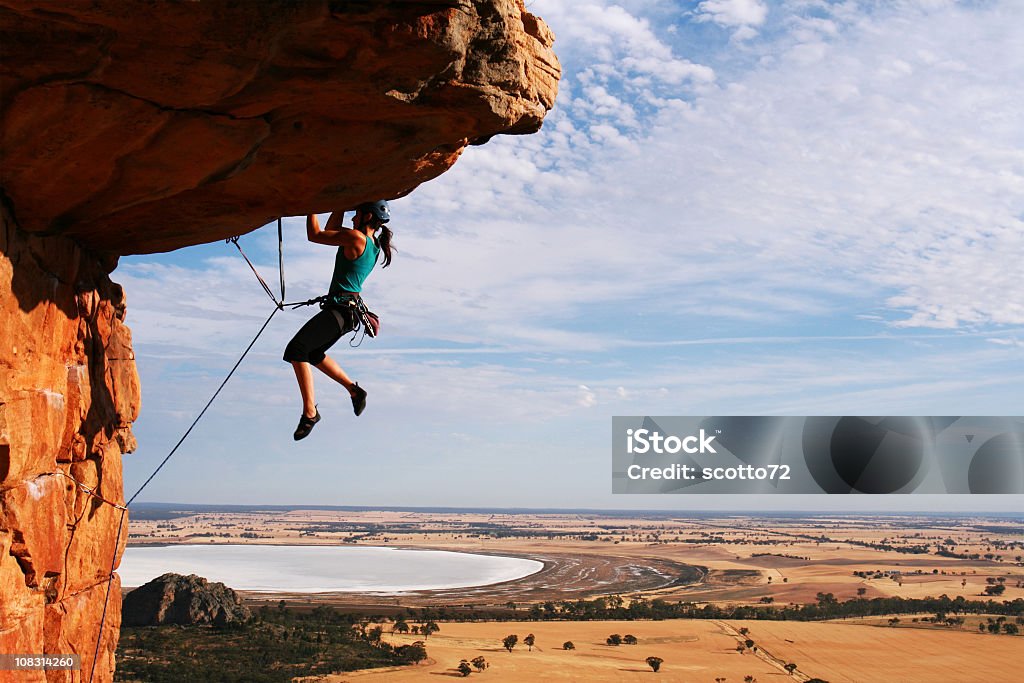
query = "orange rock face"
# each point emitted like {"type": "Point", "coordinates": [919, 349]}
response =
{"type": "Point", "coordinates": [141, 130]}
{"type": "Point", "coordinates": [69, 392]}
{"type": "Point", "coordinates": [139, 127]}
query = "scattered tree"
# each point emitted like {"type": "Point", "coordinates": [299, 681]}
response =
{"type": "Point", "coordinates": [464, 668]}
{"type": "Point", "coordinates": [791, 667]}
{"type": "Point", "coordinates": [400, 627]}
{"type": "Point", "coordinates": [510, 642]}
{"type": "Point", "coordinates": [614, 639]}
{"type": "Point", "coordinates": [428, 628]}
{"type": "Point", "coordinates": [480, 663]}
{"type": "Point", "coordinates": [655, 663]}
{"type": "Point", "coordinates": [567, 645]}
{"type": "Point", "coordinates": [529, 641]}
{"type": "Point", "coordinates": [629, 639]}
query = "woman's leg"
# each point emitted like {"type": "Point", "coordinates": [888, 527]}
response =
{"type": "Point", "coordinates": [305, 378]}
{"type": "Point", "coordinates": [331, 368]}
{"type": "Point", "coordinates": [307, 348]}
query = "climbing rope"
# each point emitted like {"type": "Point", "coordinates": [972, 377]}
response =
{"type": "Point", "coordinates": [88, 490]}
{"type": "Point", "coordinates": [279, 304]}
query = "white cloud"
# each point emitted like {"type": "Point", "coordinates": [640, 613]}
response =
{"type": "Point", "coordinates": [733, 12]}
{"type": "Point", "coordinates": [743, 15]}
{"type": "Point", "coordinates": [587, 398]}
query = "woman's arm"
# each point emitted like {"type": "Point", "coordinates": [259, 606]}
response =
{"type": "Point", "coordinates": [334, 235]}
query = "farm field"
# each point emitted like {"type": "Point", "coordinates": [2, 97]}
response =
{"type": "Point", "coordinates": [701, 651]}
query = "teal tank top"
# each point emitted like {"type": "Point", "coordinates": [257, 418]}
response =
{"type": "Point", "coordinates": [349, 276]}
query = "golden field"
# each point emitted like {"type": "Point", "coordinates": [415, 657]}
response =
{"type": "Point", "coordinates": [700, 651]}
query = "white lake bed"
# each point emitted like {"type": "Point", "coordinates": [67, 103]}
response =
{"type": "Point", "coordinates": [322, 569]}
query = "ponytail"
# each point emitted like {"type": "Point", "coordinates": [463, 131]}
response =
{"type": "Point", "coordinates": [384, 240]}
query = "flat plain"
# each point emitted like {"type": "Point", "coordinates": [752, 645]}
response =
{"type": "Point", "coordinates": [726, 561]}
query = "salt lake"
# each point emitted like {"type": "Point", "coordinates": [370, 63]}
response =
{"type": "Point", "coordinates": [322, 569]}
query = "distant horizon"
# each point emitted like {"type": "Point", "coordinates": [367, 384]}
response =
{"type": "Point", "coordinates": [242, 507]}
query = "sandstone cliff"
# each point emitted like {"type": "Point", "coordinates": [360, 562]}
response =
{"type": "Point", "coordinates": [133, 127]}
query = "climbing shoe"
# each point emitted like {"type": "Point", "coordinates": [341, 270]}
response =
{"type": "Point", "coordinates": [306, 425]}
{"type": "Point", "coordinates": [358, 399]}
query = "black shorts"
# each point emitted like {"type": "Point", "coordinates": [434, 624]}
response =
{"type": "Point", "coordinates": [310, 343]}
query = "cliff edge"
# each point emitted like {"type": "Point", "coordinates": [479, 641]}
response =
{"type": "Point", "coordinates": [135, 127]}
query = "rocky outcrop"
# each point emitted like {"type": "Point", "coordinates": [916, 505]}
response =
{"type": "Point", "coordinates": [130, 127]}
{"type": "Point", "coordinates": [177, 599]}
{"type": "Point", "coordinates": [139, 129]}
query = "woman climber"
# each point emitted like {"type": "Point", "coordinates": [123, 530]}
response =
{"type": "Point", "coordinates": [359, 249]}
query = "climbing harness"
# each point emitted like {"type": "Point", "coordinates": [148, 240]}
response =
{"type": "Point", "coordinates": [279, 304]}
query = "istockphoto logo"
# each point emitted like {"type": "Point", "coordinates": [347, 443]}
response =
{"type": "Point", "coordinates": [646, 441]}
{"type": "Point", "coordinates": [839, 454]}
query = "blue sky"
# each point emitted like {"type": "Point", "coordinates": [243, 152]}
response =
{"type": "Point", "coordinates": [736, 207]}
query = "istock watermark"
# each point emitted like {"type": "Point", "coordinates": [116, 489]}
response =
{"type": "Point", "coordinates": [644, 440]}
{"type": "Point", "coordinates": [818, 454]}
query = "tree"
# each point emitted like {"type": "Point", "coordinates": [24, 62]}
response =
{"type": "Point", "coordinates": [400, 627]}
{"type": "Point", "coordinates": [567, 645]}
{"type": "Point", "coordinates": [464, 668]}
{"type": "Point", "coordinates": [414, 653]}
{"type": "Point", "coordinates": [529, 641]}
{"type": "Point", "coordinates": [654, 663]}
{"type": "Point", "coordinates": [480, 663]}
{"type": "Point", "coordinates": [744, 631]}
{"type": "Point", "coordinates": [629, 639]}
{"type": "Point", "coordinates": [861, 591]}
{"type": "Point", "coordinates": [749, 643]}
{"type": "Point", "coordinates": [510, 642]}
{"type": "Point", "coordinates": [428, 628]}
{"type": "Point", "coordinates": [791, 667]}
{"type": "Point", "coordinates": [1010, 629]}
{"type": "Point", "coordinates": [749, 679]}
{"type": "Point", "coordinates": [614, 639]}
